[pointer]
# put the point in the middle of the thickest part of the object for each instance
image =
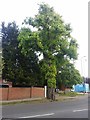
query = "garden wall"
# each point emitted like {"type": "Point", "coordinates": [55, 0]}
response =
{"type": "Point", "coordinates": [15, 93]}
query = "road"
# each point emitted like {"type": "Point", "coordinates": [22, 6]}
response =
{"type": "Point", "coordinates": [75, 108]}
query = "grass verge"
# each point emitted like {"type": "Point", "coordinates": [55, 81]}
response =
{"type": "Point", "coordinates": [61, 97]}
{"type": "Point", "coordinates": [70, 94]}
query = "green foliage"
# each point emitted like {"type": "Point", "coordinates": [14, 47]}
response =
{"type": "Point", "coordinates": [1, 65]}
{"type": "Point", "coordinates": [69, 76]}
{"type": "Point", "coordinates": [9, 50]}
{"type": "Point", "coordinates": [73, 49]}
{"type": "Point", "coordinates": [29, 41]}
{"type": "Point", "coordinates": [18, 68]}
{"type": "Point", "coordinates": [51, 38]}
{"type": "Point", "coordinates": [51, 76]}
{"type": "Point", "coordinates": [1, 62]}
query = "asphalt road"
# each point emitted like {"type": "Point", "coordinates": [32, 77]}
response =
{"type": "Point", "coordinates": [76, 108]}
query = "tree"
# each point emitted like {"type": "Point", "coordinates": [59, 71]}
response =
{"type": "Point", "coordinates": [69, 76]}
{"type": "Point", "coordinates": [51, 38]}
{"type": "Point", "coordinates": [9, 50]}
{"type": "Point", "coordinates": [28, 47]}
{"type": "Point", "coordinates": [19, 69]}
{"type": "Point", "coordinates": [63, 63]}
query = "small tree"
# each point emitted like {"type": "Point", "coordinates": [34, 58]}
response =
{"type": "Point", "coordinates": [69, 76]}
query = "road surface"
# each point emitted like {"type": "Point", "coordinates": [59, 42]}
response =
{"type": "Point", "coordinates": [75, 108]}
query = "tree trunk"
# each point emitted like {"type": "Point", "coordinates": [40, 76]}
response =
{"type": "Point", "coordinates": [51, 93]}
{"type": "Point", "coordinates": [63, 88]}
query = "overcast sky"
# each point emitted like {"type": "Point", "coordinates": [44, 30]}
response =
{"type": "Point", "coordinates": [72, 11]}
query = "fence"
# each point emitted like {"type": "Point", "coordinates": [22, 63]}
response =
{"type": "Point", "coordinates": [21, 93]}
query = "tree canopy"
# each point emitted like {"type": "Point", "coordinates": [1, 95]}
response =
{"type": "Point", "coordinates": [51, 37]}
{"type": "Point", "coordinates": [46, 35]}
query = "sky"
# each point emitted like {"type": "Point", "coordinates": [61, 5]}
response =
{"type": "Point", "coordinates": [74, 12]}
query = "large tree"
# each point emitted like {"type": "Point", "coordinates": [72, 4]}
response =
{"type": "Point", "coordinates": [51, 37]}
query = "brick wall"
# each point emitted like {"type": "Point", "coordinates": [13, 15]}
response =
{"type": "Point", "coordinates": [20, 93]}
{"type": "Point", "coordinates": [0, 94]}
{"type": "Point", "coordinates": [37, 92]}
{"type": "Point", "coordinates": [4, 93]}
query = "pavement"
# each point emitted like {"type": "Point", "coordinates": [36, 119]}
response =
{"type": "Point", "coordinates": [21, 100]}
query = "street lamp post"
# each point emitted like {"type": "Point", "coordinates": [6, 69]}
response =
{"type": "Point", "coordinates": [82, 72]}
{"type": "Point", "coordinates": [82, 66]}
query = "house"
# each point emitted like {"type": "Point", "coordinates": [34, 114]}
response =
{"type": "Point", "coordinates": [3, 82]}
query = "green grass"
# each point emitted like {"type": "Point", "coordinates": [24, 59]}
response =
{"type": "Point", "coordinates": [69, 94]}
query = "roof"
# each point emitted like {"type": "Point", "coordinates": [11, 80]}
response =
{"type": "Point", "coordinates": [6, 83]}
